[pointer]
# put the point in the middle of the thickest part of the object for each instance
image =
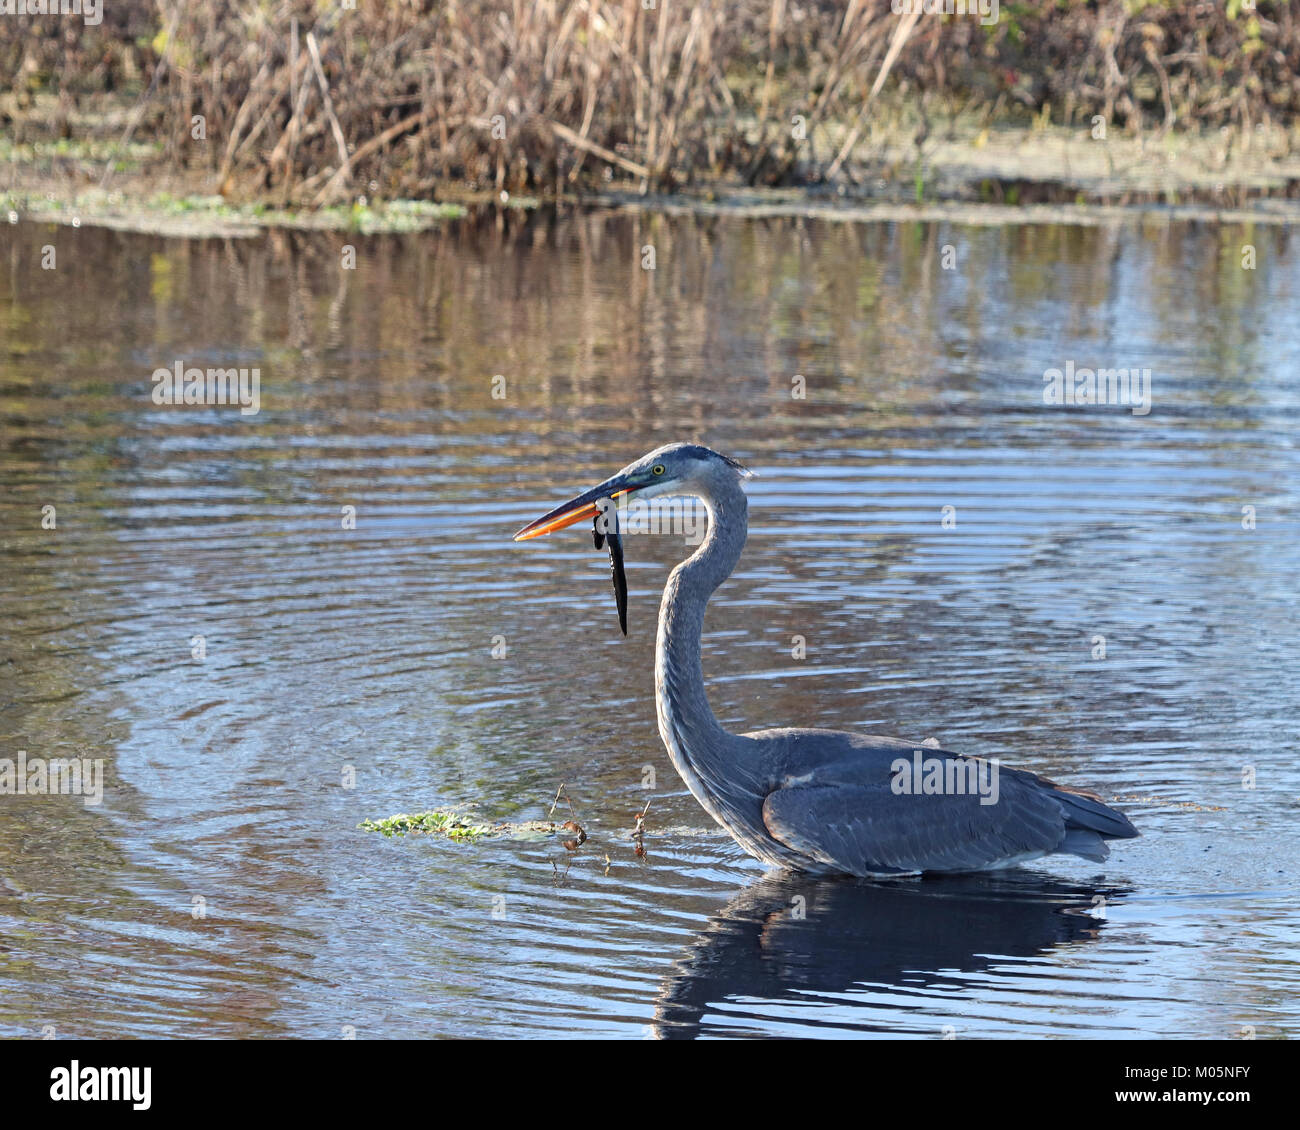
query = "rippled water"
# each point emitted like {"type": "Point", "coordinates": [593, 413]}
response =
{"type": "Point", "coordinates": [223, 888]}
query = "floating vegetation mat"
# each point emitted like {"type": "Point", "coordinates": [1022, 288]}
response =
{"type": "Point", "coordinates": [465, 828]}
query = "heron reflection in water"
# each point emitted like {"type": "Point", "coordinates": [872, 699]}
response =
{"type": "Point", "coordinates": [822, 801]}
{"type": "Point", "coordinates": [888, 957]}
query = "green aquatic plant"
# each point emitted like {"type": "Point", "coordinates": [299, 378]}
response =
{"type": "Point", "coordinates": [464, 828]}
{"type": "Point", "coordinates": [451, 825]}
{"type": "Point", "coordinates": [201, 212]}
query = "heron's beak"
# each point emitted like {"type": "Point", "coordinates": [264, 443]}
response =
{"type": "Point", "coordinates": [576, 509]}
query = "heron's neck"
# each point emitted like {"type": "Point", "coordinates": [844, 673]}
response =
{"type": "Point", "coordinates": [686, 724]}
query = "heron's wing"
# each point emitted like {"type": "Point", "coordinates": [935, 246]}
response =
{"type": "Point", "coordinates": [864, 828]}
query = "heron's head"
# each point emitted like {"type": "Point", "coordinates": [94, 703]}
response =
{"type": "Point", "coordinates": [675, 468]}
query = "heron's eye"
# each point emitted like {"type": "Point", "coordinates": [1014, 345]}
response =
{"type": "Point", "coordinates": [657, 469]}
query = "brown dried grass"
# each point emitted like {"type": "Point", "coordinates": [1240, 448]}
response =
{"type": "Point", "coordinates": [309, 103]}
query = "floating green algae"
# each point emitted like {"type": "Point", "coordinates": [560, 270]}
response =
{"type": "Point", "coordinates": [463, 828]}
{"type": "Point", "coordinates": [450, 825]}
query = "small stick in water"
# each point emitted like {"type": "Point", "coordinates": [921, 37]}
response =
{"type": "Point", "coordinates": [638, 830]}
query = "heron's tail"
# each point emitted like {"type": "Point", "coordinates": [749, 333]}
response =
{"type": "Point", "coordinates": [1089, 823]}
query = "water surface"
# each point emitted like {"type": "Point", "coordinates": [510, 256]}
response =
{"type": "Point", "coordinates": [223, 888]}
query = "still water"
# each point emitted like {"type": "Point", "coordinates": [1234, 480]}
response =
{"type": "Point", "coordinates": [1099, 607]}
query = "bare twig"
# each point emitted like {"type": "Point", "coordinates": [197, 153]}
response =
{"type": "Point", "coordinates": [607, 155]}
{"type": "Point", "coordinates": [901, 32]}
{"type": "Point", "coordinates": [345, 163]}
{"type": "Point", "coordinates": [138, 112]}
{"type": "Point", "coordinates": [375, 143]}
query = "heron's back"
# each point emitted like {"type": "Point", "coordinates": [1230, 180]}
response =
{"type": "Point", "coordinates": [873, 805]}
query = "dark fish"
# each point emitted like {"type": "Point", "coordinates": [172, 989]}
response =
{"type": "Point", "coordinates": [614, 542]}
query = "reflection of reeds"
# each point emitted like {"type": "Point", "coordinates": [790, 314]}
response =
{"type": "Point", "coordinates": [563, 309]}
{"type": "Point", "coordinates": [313, 103]}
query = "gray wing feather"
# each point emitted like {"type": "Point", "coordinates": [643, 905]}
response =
{"type": "Point", "coordinates": [1087, 811]}
{"type": "Point", "coordinates": [829, 800]}
{"type": "Point", "coordinates": [867, 829]}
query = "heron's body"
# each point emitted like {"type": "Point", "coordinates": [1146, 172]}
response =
{"type": "Point", "coordinates": [826, 801]}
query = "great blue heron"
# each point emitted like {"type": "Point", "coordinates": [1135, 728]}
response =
{"type": "Point", "coordinates": [825, 801]}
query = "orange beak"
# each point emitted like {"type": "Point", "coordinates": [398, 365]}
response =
{"type": "Point", "coordinates": [585, 505]}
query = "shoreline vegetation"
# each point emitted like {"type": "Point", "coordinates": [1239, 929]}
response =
{"type": "Point", "coordinates": [182, 117]}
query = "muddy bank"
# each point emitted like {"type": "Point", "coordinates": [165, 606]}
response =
{"type": "Point", "coordinates": [963, 172]}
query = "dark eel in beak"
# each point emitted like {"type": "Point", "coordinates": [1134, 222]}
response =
{"type": "Point", "coordinates": [613, 541]}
